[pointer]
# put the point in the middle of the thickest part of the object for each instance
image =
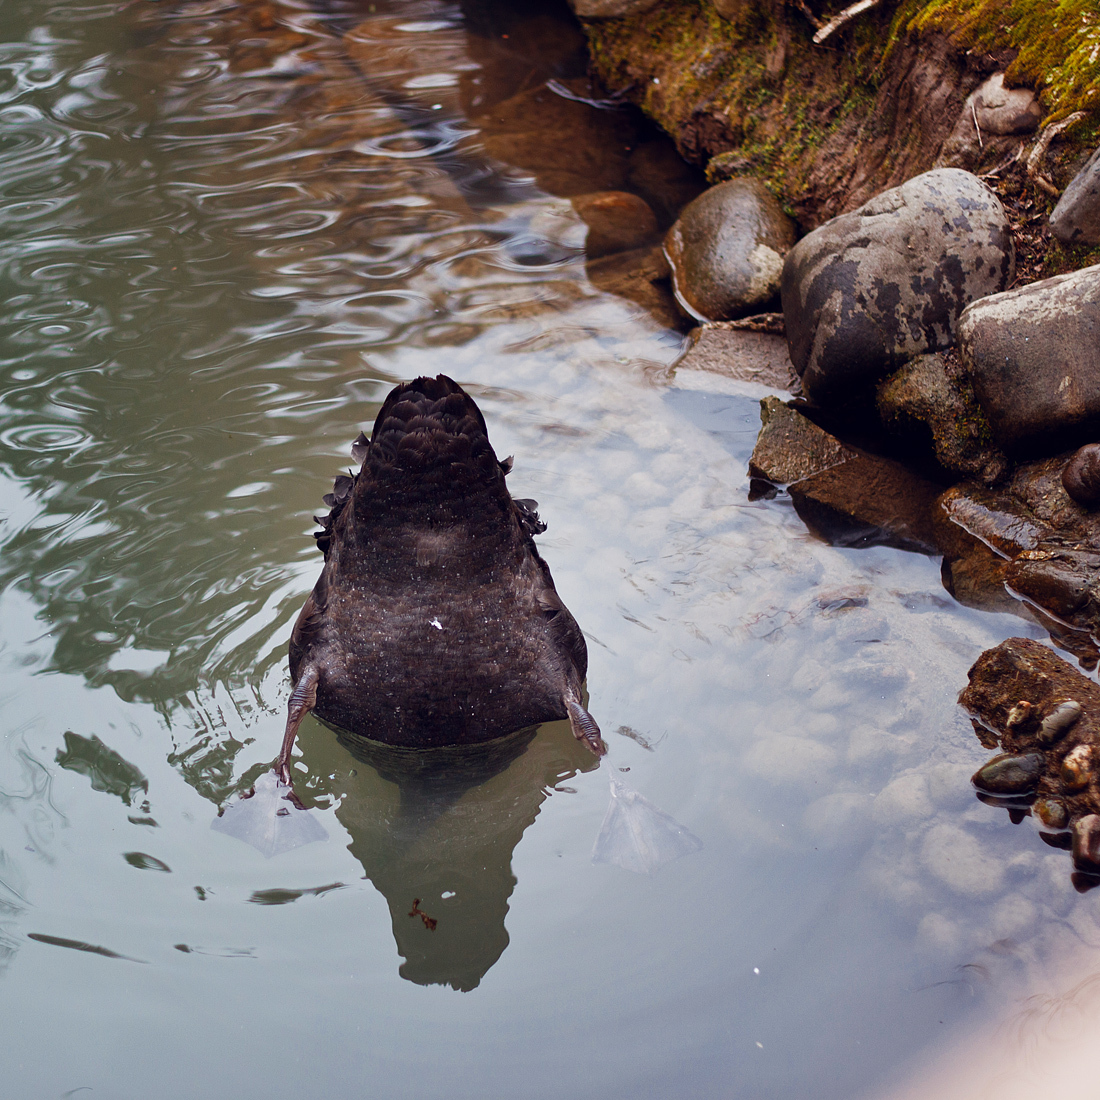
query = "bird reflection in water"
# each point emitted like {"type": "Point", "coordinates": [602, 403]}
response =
{"type": "Point", "coordinates": [437, 828]}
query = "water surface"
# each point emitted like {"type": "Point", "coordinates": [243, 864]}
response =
{"type": "Point", "coordinates": [228, 230]}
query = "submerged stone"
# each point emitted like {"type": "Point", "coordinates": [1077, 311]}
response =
{"type": "Point", "coordinates": [617, 221]}
{"type": "Point", "coordinates": [1008, 774]}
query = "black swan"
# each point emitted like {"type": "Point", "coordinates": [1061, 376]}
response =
{"type": "Point", "coordinates": [434, 622]}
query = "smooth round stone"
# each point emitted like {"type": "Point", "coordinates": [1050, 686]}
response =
{"type": "Point", "coordinates": [1081, 477]}
{"type": "Point", "coordinates": [617, 221]}
{"type": "Point", "coordinates": [726, 250]}
{"type": "Point", "coordinates": [1059, 722]}
{"type": "Point", "coordinates": [1052, 813]}
{"type": "Point", "coordinates": [1008, 774]}
{"type": "Point", "coordinates": [1077, 768]}
{"type": "Point", "coordinates": [1000, 110]}
{"type": "Point", "coordinates": [1086, 843]}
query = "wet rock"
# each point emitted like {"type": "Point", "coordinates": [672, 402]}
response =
{"type": "Point", "coordinates": [994, 517]}
{"type": "Point", "coordinates": [1048, 548]}
{"type": "Point", "coordinates": [791, 447]}
{"type": "Point", "coordinates": [1007, 774]}
{"type": "Point", "coordinates": [571, 148]}
{"type": "Point", "coordinates": [1000, 110]}
{"type": "Point", "coordinates": [844, 495]}
{"type": "Point", "coordinates": [868, 501]}
{"type": "Point", "coordinates": [1063, 581]}
{"type": "Point", "coordinates": [1058, 723]}
{"type": "Point", "coordinates": [745, 356]}
{"type": "Point", "coordinates": [1020, 691]}
{"type": "Point", "coordinates": [610, 9]}
{"type": "Point", "coordinates": [1034, 360]}
{"type": "Point", "coordinates": [663, 178]}
{"type": "Point", "coordinates": [1051, 813]}
{"type": "Point", "coordinates": [617, 221]}
{"type": "Point", "coordinates": [1081, 477]}
{"type": "Point", "coordinates": [1077, 768]}
{"type": "Point", "coordinates": [642, 277]}
{"type": "Point", "coordinates": [923, 392]}
{"type": "Point", "coordinates": [1086, 843]}
{"type": "Point", "coordinates": [871, 289]}
{"type": "Point", "coordinates": [977, 580]}
{"type": "Point", "coordinates": [726, 250]}
{"type": "Point", "coordinates": [1076, 218]}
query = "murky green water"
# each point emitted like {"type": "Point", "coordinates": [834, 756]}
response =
{"type": "Point", "coordinates": [223, 239]}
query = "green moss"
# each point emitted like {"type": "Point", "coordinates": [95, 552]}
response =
{"type": "Point", "coordinates": [1058, 42]}
{"type": "Point", "coordinates": [770, 97]}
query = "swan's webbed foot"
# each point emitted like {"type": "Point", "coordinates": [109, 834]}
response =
{"type": "Point", "coordinates": [584, 727]}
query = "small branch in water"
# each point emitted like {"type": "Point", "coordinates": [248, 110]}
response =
{"type": "Point", "coordinates": [977, 128]}
{"type": "Point", "coordinates": [1049, 133]}
{"type": "Point", "coordinates": [843, 17]}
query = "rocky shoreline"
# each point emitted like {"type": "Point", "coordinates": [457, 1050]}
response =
{"type": "Point", "coordinates": [941, 397]}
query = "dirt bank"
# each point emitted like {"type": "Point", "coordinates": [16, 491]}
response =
{"type": "Point", "coordinates": [880, 100]}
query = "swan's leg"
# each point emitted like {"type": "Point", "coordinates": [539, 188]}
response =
{"type": "Point", "coordinates": [584, 727]}
{"type": "Point", "coordinates": [302, 700]}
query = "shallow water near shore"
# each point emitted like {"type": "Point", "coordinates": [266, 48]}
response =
{"type": "Point", "coordinates": [228, 230]}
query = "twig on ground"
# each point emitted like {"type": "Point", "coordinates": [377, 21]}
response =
{"type": "Point", "coordinates": [843, 17]}
{"type": "Point", "coordinates": [1046, 136]}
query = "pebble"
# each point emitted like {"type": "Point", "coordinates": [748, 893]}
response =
{"type": "Point", "coordinates": [1051, 813]}
{"type": "Point", "coordinates": [726, 250]}
{"type": "Point", "coordinates": [1086, 843]}
{"type": "Point", "coordinates": [1077, 768]}
{"type": "Point", "coordinates": [1059, 722]}
{"type": "Point", "coordinates": [1081, 477]}
{"type": "Point", "coordinates": [1008, 774]}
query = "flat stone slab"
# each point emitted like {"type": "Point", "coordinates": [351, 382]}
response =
{"type": "Point", "coordinates": [744, 356]}
{"type": "Point", "coordinates": [844, 495]}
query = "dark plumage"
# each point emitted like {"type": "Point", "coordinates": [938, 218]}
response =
{"type": "Point", "coordinates": [434, 621]}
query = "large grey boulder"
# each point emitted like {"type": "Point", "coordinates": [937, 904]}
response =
{"type": "Point", "coordinates": [869, 290]}
{"type": "Point", "coordinates": [1033, 357]}
{"type": "Point", "coordinates": [1076, 218]}
{"type": "Point", "coordinates": [726, 250]}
